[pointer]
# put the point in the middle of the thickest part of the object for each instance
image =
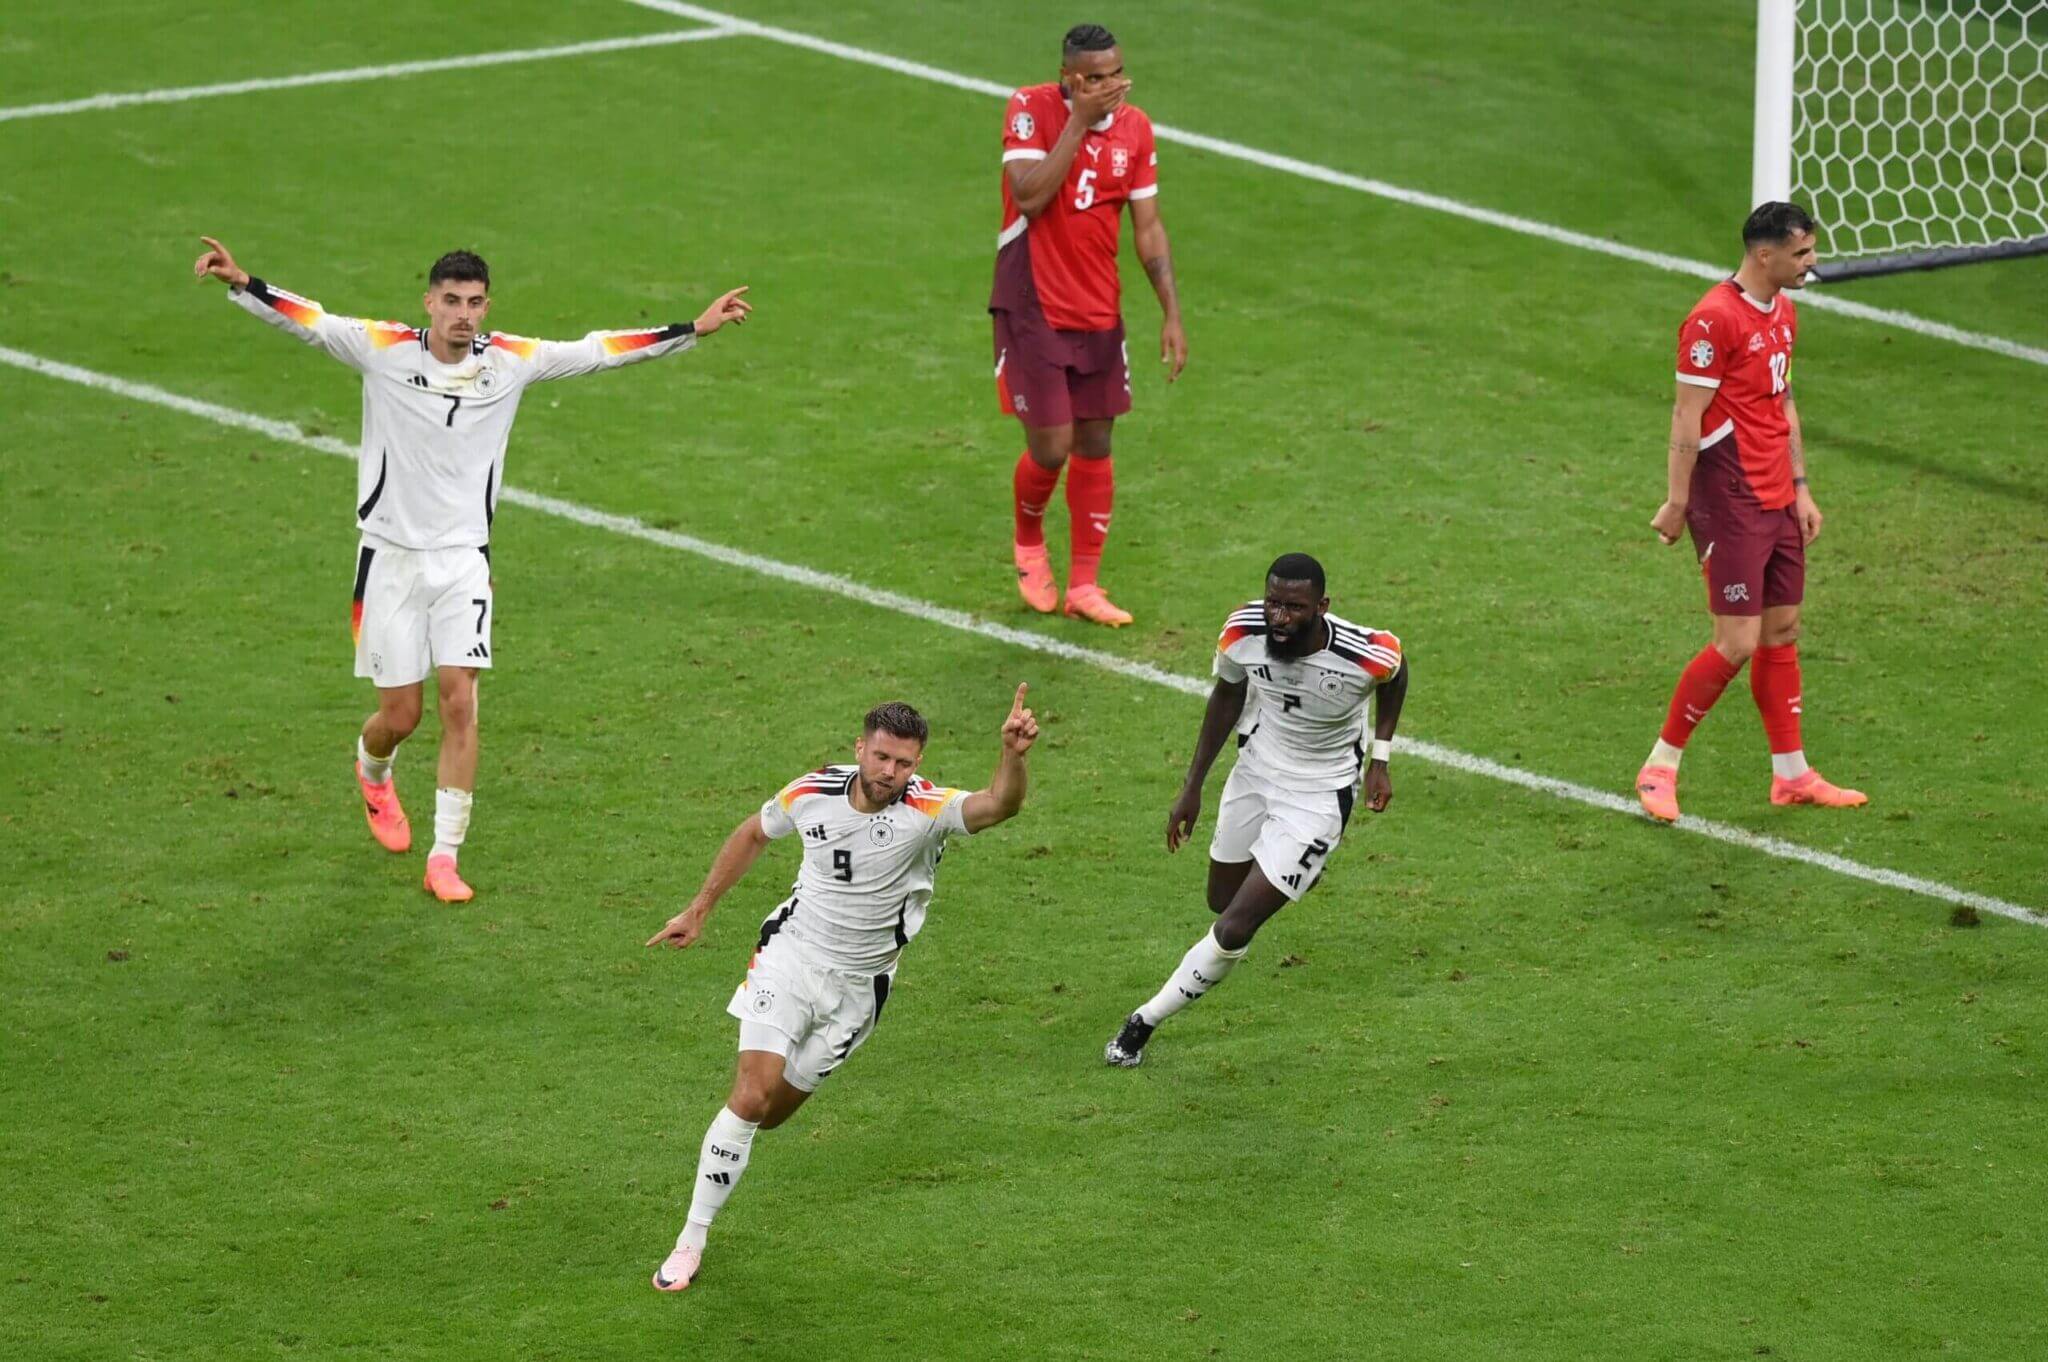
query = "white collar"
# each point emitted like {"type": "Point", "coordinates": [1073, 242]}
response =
{"type": "Point", "coordinates": [1766, 308]}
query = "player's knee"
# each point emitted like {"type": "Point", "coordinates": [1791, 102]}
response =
{"type": "Point", "coordinates": [1781, 632]}
{"type": "Point", "coordinates": [458, 709]}
{"type": "Point", "coordinates": [400, 717]}
{"type": "Point", "coordinates": [752, 1103]}
{"type": "Point", "coordinates": [1736, 647]}
{"type": "Point", "coordinates": [1234, 931]}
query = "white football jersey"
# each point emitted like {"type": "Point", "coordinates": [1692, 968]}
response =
{"type": "Point", "coordinates": [866, 878]}
{"type": "Point", "coordinates": [432, 460]}
{"type": "Point", "coordinates": [1304, 723]}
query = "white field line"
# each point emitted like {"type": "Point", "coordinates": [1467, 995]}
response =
{"type": "Point", "coordinates": [359, 73]}
{"type": "Point", "coordinates": [836, 585]}
{"type": "Point", "coordinates": [1414, 198]}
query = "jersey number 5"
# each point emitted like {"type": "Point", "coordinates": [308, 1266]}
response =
{"type": "Point", "coordinates": [842, 866]}
{"type": "Point", "coordinates": [1084, 192]}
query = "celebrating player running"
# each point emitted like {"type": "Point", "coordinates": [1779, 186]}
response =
{"type": "Point", "coordinates": [437, 412]}
{"type": "Point", "coordinates": [1309, 675]}
{"type": "Point", "coordinates": [1736, 479]}
{"type": "Point", "coordinates": [873, 833]}
{"type": "Point", "coordinates": [1074, 153]}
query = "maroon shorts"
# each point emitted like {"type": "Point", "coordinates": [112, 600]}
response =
{"type": "Point", "coordinates": [1049, 378]}
{"type": "Point", "coordinates": [1751, 558]}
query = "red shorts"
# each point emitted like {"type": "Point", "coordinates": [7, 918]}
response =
{"type": "Point", "coordinates": [1049, 378]}
{"type": "Point", "coordinates": [1751, 558]}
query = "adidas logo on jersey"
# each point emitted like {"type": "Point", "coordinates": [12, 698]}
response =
{"type": "Point", "coordinates": [1291, 881]}
{"type": "Point", "coordinates": [480, 653]}
{"type": "Point", "coordinates": [816, 832]}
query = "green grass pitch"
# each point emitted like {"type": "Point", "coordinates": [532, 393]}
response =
{"type": "Point", "coordinates": [1522, 1079]}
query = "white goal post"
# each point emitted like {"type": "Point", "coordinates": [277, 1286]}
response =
{"type": "Point", "coordinates": [1915, 131]}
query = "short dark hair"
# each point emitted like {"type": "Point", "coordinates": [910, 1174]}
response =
{"type": "Point", "coordinates": [1771, 223]}
{"type": "Point", "coordinates": [896, 719]}
{"type": "Point", "coordinates": [1085, 38]}
{"type": "Point", "coordinates": [460, 267]}
{"type": "Point", "coordinates": [1297, 567]}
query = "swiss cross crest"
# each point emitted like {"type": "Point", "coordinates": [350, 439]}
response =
{"type": "Point", "coordinates": [1119, 160]}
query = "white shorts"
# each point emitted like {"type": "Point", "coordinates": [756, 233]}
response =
{"type": "Point", "coordinates": [1290, 833]}
{"type": "Point", "coordinates": [814, 1018]}
{"type": "Point", "coordinates": [418, 609]}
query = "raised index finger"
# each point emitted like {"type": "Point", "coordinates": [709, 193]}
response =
{"type": "Point", "coordinates": [1017, 705]}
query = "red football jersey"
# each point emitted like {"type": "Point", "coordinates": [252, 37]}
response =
{"type": "Point", "coordinates": [1071, 246]}
{"type": "Point", "coordinates": [1743, 351]}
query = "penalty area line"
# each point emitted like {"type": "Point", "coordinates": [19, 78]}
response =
{"type": "Point", "coordinates": [946, 617]}
{"type": "Point", "coordinates": [178, 95]}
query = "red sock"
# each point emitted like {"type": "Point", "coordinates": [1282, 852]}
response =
{"type": "Point", "coordinates": [1032, 485]}
{"type": "Point", "coordinates": [1702, 682]}
{"type": "Point", "coordinates": [1774, 681]}
{"type": "Point", "coordinates": [1091, 491]}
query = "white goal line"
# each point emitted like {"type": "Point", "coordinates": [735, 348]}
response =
{"type": "Point", "coordinates": [1414, 198]}
{"type": "Point", "coordinates": [178, 95]}
{"type": "Point", "coordinates": [948, 618]}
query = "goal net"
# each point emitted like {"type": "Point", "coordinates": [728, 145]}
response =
{"type": "Point", "coordinates": [1918, 129]}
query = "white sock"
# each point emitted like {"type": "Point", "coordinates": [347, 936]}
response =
{"type": "Point", "coordinates": [376, 770]}
{"type": "Point", "coordinates": [719, 1164]}
{"type": "Point", "coordinates": [1664, 754]}
{"type": "Point", "coordinates": [451, 821]}
{"type": "Point", "coordinates": [1201, 969]}
{"type": "Point", "coordinates": [1788, 765]}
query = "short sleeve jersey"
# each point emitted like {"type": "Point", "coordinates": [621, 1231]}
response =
{"type": "Point", "coordinates": [866, 878]}
{"type": "Point", "coordinates": [1303, 725]}
{"type": "Point", "coordinates": [432, 459]}
{"type": "Point", "coordinates": [1068, 261]}
{"type": "Point", "coordinates": [1743, 351]}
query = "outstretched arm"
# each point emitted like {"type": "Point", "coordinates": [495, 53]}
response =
{"type": "Point", "coordinates": [1005, 793]}
{"type": "Point", "coordinates": [734, 859]}
{"type": "Point", "coordinates": [1149, 234]}
{"type": "Point", "coordinates": [1386, 716]}
{"type": "Point", "coordinates": [613, 349]}
{"type": "Point", "coordinates": [349, 339]}
{"type": "Point", "coordinates": [1226, 707]}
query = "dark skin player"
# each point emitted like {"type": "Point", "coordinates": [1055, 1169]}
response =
{"type": "Point", "coordinates": [1239, 892]}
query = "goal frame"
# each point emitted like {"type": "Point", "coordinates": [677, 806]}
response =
{"type": "Point", "coordinates": [1777, 55]}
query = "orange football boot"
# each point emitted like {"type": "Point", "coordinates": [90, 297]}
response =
{"type": "Point", "coordinates": [1034, 578]}
{"type": "Point", "coordinates": [1657, 787]}
{"type": "Point", "coordinates": [1089, 603]}
{"type": "Point", "coordinates": [1812, 789]}
{"type": "Point", "coordinates": [387, 820]}
{"type": "Point", "coordinates": [444, 884]}
{"type": "Point", "coordinates": [678, 1270]}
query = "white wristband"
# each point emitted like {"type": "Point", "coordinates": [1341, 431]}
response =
{"type": "Point", "coordinates": [1382, 748]}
